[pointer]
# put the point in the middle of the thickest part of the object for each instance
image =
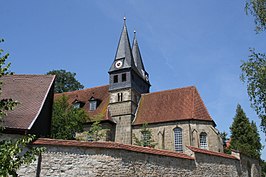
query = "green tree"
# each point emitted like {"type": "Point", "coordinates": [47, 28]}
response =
{"type": "Point", "coordinates": [16, 152]}
{"type": "Point", "coordinates": [254, 70]}
{"type": "Point", "coordinates": [257, 8]}
{"type": "Point", "coordinates": [66, 119]}
{"type": "Point", "coordinates": [65, 81]}
{"type": "Point", "coordinates": [225, 139]}
{"type": "Point", "coordinates": [254, 74]}
{"type": "Point", "coordinates": [244, 135]}
{"type": "Point", "coordinates": [95, 132]}
{"type": "Point", "coordinates": [146, 137]}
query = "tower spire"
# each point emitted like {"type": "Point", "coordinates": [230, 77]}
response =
{"type": "Point", "coordinates": [137, 56]}
{"type": "Point", "coordinates": [123, 52]}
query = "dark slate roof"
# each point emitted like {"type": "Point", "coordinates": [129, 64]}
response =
{"type": "Point", "coordinates": [171, 105]}
{"type": "Point", "coordinates": [137, 56]}
{"type": "Point", "coordinates": [123, 51]}
{"type": "Point", "coordinates": [31, 92]}
{"type": "Point", "coordinates": [98, 93]}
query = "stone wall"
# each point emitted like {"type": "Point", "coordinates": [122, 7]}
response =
{"type": "Point", "coordinates": [163, 134]}
{"type": "Point", "coordinates": [73, 158]}
{"type": "Point", "coordinates": [121, 112]}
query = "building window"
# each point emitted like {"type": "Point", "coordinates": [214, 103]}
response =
{"type": "Point", "coordinates": [203, 140]}
{"type": "Point", "coordinates": [93, 105]}
{"type": "Point", "coordinates": [124, 77]}
{"type": "Point", "coordinates": [115, 78]}
{"type": "Point", "coordinates": [120, 97]}
{"type": "Point", "coordinates": [178, 139]}
{"type": "Point", "coordinates": [76, 105]}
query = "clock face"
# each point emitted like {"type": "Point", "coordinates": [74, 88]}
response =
{"type": "Point", "coordinates": [118, 64]}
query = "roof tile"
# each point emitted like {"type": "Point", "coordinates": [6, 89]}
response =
{"type": "Point", "coordinates": [110, 145]}
{"type": "Point", "coordinates": [31, 92]}
{"type": "Point", "coordinates": [171, 105]}
{"type": "Point", "coordinates": [98, 93]}
{"type": "Point", "coordinates": [204, 151]}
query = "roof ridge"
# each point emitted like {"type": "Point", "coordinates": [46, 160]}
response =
{"type": "Point", "coordinates": [83, 89]}
{"type": "Point", "coordinates": [49, 75]}
{"type": "Point", "coordinates": [187, 87]}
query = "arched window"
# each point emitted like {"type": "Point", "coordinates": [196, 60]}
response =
{"type": "Point", "coordinates": [203, 140]}
{"type": "Point", "coordinates": [178, 139]}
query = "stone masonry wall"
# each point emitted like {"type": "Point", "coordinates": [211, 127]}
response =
{"type": "Point", "coordinates": [72, 158]}
{"type": "Point", "coordinates": [163, 134]}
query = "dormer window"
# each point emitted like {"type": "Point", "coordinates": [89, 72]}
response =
{"type": "Point", "coordinates": [78, 104]}
{"type": "Point", "coordinates": [93, 104]}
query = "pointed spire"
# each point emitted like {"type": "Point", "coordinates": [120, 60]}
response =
{"type": "Point", "coordinates": [123, 51]}
{"type": "Point", "coordinates": [137, 56]}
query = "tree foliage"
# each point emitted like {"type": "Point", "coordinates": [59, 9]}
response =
{"type": "Point", "coordinates": [254, 74]}
{"type": "Point", "coordinates": [225, 139]}
{"type": "Point", "coordinates": [95, 132]}
{"type": "Point", "coordinates": [244, 135]}
{"type": "Point", "coordinates": [257, 8]}
{"type": "Point", "coordinates": [66, 119]}
{"type": "Point", "coordinates": [65, 81]}
{"type": "Point", "coordinates": [16, 152]}
{"type": "Point", "coordinates": [5, 104]}
{"type": "Point", "coordinates": [146, 137]}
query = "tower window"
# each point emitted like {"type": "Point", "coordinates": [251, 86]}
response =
{"type": "Point", "coordinates": [124, 77]}
{"type": "Point", "coordinates": [178, 139]}
{"type": "Point", "coordinates": [203, 140]}
{"type": "Point", "coordinates": [115, 78]}
{"type": "Point", "coordinates": [120, 97]}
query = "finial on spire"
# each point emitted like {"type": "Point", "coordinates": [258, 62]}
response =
{"type": "Point", "coordinates": [134, 33]}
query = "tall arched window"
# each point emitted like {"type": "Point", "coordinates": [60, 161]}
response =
{"type": "Point", "coordinates": [178, 139]}
{"type": "Point", "coordinates": [203, 140]}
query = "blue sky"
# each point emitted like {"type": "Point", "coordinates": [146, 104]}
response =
{"type": "Point", "coordinates": [182, 43]}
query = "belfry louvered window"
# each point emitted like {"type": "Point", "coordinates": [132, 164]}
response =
{"type": "Point", "coordinates": [178, 139]}
{"type": "Point", "coordinates": [203, 140]}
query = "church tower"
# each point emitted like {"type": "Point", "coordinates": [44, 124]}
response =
{"type": "Point", "coordinates": [127, 81]}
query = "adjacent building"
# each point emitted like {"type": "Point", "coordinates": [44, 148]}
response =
{"type": "Point", "coordinates": [34, 94]}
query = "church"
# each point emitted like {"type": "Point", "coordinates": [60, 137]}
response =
{"type": "Point", "coordinates": [177, 118]}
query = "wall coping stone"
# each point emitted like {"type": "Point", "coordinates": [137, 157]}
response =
{"type": "Point", "coordinates": [204, 151]}
{"type": "Point", "coordinates": [110, 145]}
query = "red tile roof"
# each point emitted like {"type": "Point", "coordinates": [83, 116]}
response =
{"type": "Point", "coordinates": [31, 92]}
{"type": "Point", "coordinates": [171, 105]}
{"type": "Point", "coordinates": [204, 151]}
{"type": "Point", "coordinates": [98, 93]}
{"type": "Point", "coordinates": [110, 145]}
